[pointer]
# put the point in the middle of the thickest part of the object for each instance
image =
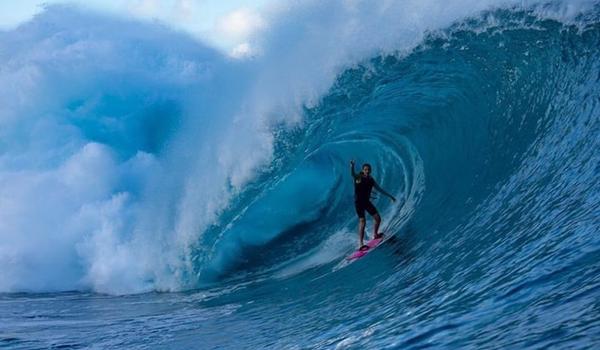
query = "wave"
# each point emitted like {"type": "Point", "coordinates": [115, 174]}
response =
{"type": "Point", "coordinates": [134, 158]}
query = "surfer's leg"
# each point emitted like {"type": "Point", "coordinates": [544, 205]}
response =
{"type": "Point", "coordinates": [377, 218]}
{"type": "Point", "coordinates": [361, 232]}
{"type": "Point", "coordinates": [373, 212]}
{"type": "Point", "coordinates": [360, 211]}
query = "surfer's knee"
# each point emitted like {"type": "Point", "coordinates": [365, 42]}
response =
{"type": "Point", "coordinates": [362, 220]}
{"type": "Point", "coordinates": [377, 217]}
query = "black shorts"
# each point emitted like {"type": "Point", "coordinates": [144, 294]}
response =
{"type": "Point", "coordinates": [362, 206]}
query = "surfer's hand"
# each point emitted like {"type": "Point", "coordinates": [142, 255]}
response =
{"type": "Point", "coordinates": [393, 199]}
{"type": "Point", "coordinates": [352, 162]}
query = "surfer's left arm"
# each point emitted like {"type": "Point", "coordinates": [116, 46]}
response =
{"type": "Point", "coordinates": [378, 188]}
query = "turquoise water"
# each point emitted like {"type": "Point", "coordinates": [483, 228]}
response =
{"type": "Point", "coordinates": [159, 195]}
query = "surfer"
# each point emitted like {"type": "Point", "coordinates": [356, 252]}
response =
{"type": "Point", "coordinates": [363, 185]}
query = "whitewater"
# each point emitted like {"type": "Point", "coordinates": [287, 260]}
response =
{"type": "Point", "coordinates": [156, 192]}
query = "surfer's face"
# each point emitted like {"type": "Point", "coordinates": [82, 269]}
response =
{"type": "Point", "coordinates": [366, 170]}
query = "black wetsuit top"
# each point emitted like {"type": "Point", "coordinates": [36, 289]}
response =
{"type": "Point", "coordinates": [362, 189]}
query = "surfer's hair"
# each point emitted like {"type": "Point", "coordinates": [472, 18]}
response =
{"type": "Point", "coordinates": [367, 165]}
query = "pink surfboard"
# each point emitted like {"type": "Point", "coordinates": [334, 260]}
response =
{"type": "Point", "coordinates": [371, 244]}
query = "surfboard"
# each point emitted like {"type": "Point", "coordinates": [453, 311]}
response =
{"type": "Point", "coordinates": [372, 244]}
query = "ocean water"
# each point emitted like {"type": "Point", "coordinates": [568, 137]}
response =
{"type": "Point", "coordinates": [156, 193]}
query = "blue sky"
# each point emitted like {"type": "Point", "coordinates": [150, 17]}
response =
{"type": "Point", "coordinates": [224, 24]}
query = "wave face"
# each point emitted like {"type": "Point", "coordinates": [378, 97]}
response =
{"type": "Point", "coordinates": [145, 161]}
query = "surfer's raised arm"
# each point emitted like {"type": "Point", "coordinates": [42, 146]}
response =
{"type": "Point", "coordinates": [381, 190]}
{"type": "Point", "coordinates": [354, 174]}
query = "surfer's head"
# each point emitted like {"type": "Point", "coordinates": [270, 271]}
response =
{"type": "Point", "coordinates": [366, 169]}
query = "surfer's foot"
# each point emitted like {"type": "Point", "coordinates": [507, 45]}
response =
{"type": "Point", "coordinates": [363, 247]}
{"type": "Point", "coordinates": [378, 236]}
